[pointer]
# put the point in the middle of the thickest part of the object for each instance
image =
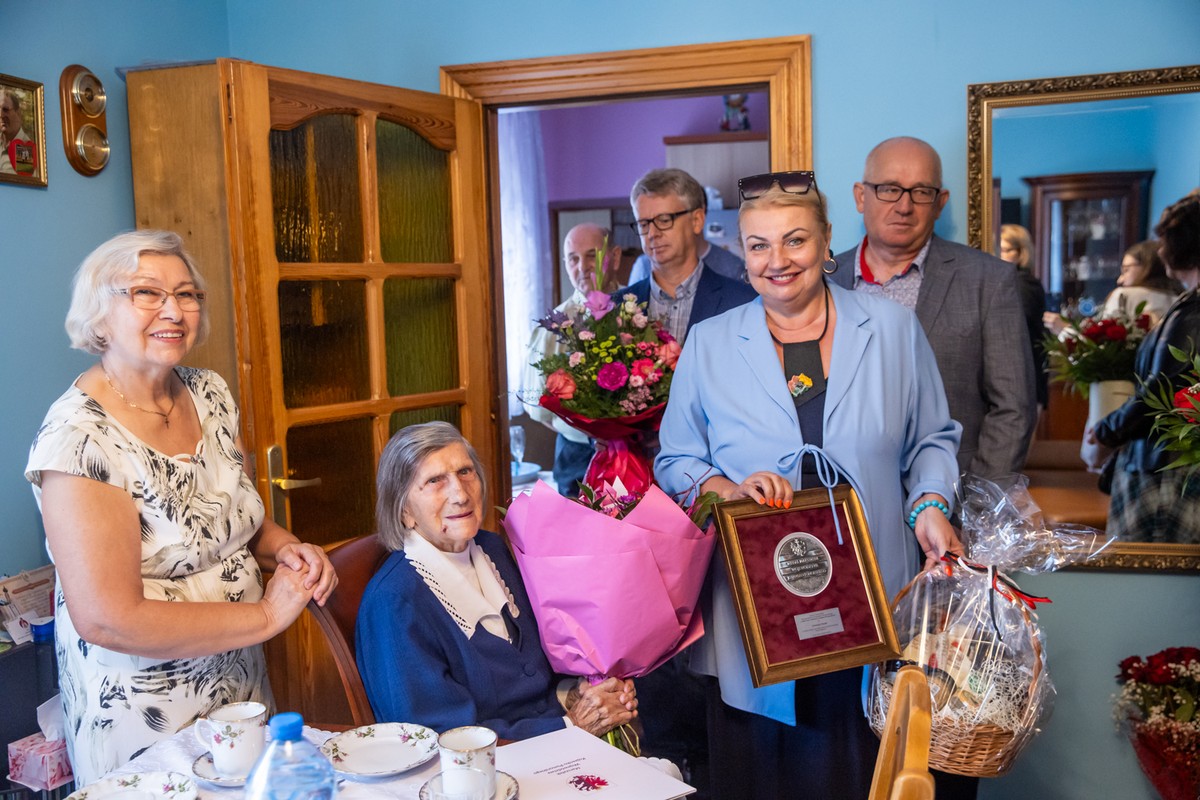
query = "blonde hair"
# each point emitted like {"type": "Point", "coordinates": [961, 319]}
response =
{"type": "Point", "coordinates": [105, 270]}
{"type": "Point", "coordinates": [1018, 237]}
{"type": "Point", "coordinates": [776, 197]}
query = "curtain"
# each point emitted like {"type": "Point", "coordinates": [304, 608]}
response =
{"type": "Point", "coordinates": [525, 238]}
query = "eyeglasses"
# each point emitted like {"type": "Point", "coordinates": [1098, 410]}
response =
{"type": "Point", "coordinates": [664, 222]}
{"type": "Point", "coordinates": [796, 182]}
{"type": "Point", "coordinates": [891, 193]}
{"type": "Point", "coordinates": [152, 299]}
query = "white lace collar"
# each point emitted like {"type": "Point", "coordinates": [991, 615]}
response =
{"type": "Point", "coordinates": [466, 605]}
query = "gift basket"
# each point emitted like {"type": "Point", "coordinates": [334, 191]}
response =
{"type": "Point", "coordinates": [975, 634]}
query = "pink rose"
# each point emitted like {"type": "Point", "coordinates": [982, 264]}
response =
{"type": "Point", "coordinates": [612, 376]}
{"type": "Point", "coordinates": [575, 359]}
{"type": "Point", "coordinates": [587, 336]}
{"type": "Point", "coordinates": [599, 304]}
{"type": "Point", "coordinates": [626, 338]}
{"type": "Point", "coordinates": [560, 384]}
{"type": "Point", "coordinates": [668, 353]}
{"type": "Point", "coordinates": [640, 320]}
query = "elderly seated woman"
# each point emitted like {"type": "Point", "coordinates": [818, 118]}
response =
{"type": "Point", "coordinates": [445, 634]}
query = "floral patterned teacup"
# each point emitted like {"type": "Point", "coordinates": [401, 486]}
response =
{"type": "Point", "coordinates": [235, 734]}
{"type": "Point", "coordinates": [470, 747]}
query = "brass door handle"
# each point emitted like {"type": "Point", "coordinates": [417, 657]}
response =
{"type": "Point", "coordinates": [280, 485]}
{"type": "Point", "coordinates": [287, 484]}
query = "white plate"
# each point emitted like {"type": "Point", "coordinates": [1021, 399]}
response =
{"type": "Point", "coordinates": [165, 785]}
{"type": "Point", "coordinates": [206, 772]}
{"type": "Point", "coordinates": [525, 472]}
{"type": "Point", "coordinates": [506, 787]}
{"type": "Point", "coordinates": [376, 751]}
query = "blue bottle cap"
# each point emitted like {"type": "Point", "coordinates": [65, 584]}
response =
{"type": "Point", "coordinates": [287, 727]}
{"type": "Point", "coordinates": [43, 630]}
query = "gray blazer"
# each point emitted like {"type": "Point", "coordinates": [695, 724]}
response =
{"type": "Point", "coordinates": [971, 312]}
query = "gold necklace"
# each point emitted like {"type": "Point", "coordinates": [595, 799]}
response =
{"type": "Point", "coordinates": [166, 415]}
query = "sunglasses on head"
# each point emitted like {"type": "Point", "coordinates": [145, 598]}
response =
{"type": "Point", "coordinates": [796, 182]}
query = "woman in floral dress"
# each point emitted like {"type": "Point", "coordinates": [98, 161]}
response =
{"type": "Point", "coordinates": [155, 529]}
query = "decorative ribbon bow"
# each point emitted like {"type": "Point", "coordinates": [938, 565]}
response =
{"type": "Point", "coordinates": [1000, 584]}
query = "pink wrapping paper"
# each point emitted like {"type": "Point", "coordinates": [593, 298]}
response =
{"type": "Point", "coordinates": [39, 764]}
{"type": "Point", "coordinates": [612, 597]}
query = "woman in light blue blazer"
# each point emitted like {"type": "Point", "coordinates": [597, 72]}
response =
{"type": "Point", "coordinates": [807, 366]}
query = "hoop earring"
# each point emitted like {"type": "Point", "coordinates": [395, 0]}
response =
{"type": "Point", "coordinates": [828, 271]}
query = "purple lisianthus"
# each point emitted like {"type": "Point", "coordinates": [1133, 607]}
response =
{"type": "Point", "coordinates": [612, 376]}
{"type": "Point", "coordinates": [554, 320]}
{"type": "Point", "coordinates": [599, 304]}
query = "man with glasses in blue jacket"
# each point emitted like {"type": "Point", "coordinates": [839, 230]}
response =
{"type": "Point", "coordinates": [668, 205]}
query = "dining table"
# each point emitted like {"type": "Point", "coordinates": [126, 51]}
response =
{"type": "Point", "coordinates": [178, 753]}
{"type": "Point", "coordinates": [564, 752]}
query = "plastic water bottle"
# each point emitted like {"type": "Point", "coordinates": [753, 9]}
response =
{"type": "Point", "coordinates": [290, 768]}
{"type": "Point", "coordinates": [47, 662]}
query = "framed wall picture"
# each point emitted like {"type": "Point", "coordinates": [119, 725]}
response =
{"type": "Point", "coordinates": [22, 132]}
{"type": "Point", "coordinates": [807, 603]}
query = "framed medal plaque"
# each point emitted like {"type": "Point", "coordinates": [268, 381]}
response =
{"type": "Point", "coordinates": [806, 603]}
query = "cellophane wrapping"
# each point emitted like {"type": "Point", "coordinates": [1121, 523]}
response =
{"type": "Point", "coordinates": [975, 633]}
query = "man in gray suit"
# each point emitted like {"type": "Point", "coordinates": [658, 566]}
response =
{"type": "Point", "coordinates": [967, 302]}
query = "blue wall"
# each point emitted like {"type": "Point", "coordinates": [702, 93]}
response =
{"type": "Point", "coordinates": [879, 69]}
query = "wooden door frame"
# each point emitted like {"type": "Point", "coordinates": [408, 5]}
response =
{"type": "Point", "coordinates": [783, 65]}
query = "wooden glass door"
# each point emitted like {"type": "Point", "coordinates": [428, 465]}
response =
{"type": "Point", "coordinates": [367, 279]}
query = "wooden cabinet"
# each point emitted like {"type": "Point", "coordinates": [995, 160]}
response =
{"type": "Point", "coordinates": [720, 159]}
{"type": "Point", "coordinates": [1082, 224]}
{"type": "Point", "coordinates": [343, 231]}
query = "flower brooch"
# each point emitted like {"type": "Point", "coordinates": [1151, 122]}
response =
{"type": "Point", "coordinates": [799, 384]}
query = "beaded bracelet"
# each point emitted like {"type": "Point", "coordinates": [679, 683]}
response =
{"type": "Point", "coordinates": [938, 504]}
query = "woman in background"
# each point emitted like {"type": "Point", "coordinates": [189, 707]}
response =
{"type": "Point", "coordinates": [1150, 503]}
{"type": "Point", "coordinates": [1016, 247]}
{"type": "Point", "coordinates": [1143, 279]}
{"type": "Point", "coordinates": [154, 526]}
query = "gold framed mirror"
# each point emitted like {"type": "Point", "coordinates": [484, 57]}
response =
{"type": "Point", "coordinates": [1091, 96]}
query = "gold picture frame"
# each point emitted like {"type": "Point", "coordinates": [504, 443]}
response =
{"type": "Point", "coordinates": [23, 150]}
{"type": "Point", "coordinates": [806, 604]}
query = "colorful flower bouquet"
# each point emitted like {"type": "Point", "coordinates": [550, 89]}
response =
{"type": "Point", "coordinates": [1097, 349]}
{"type": "Point", "coordinates": [1157, 705]}
{"type": "Point", "coordinates": [615, 581]}
{"type": "Point", "coordinates": [611, 383]}
{"type": "Point", "coordinates": [1177, 415]}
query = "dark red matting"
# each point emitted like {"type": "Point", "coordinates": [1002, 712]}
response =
{"type": "Point", "coordinates": [776, 606]}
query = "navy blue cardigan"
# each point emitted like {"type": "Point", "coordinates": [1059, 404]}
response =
{"type": "Point", "coordinates": [418, 666]}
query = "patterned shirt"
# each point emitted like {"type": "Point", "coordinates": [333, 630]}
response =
{"type": "Point", "coordinates": [675, 311]}
{"type": "Point", "coordinates": [902, 288]}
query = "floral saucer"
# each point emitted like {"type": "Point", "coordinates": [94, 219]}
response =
{"type": "Point", "coordinates": [140, 785]}
{"type": "Point", "coordinates": [206, 772]}
{"type": "Point", "coordinates": [377, 751]}
{"type": "Point", "coordinates": [506, 787]}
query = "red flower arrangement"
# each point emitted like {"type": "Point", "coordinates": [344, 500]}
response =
{"type": "Point", "coordinates": [1157, 703]}
{"type": "Point", "coordinates": [1177, 415]}
{"type": "Point", "coordinates": [611, 382]}
{"type": "Point", "coordinates": [1097, 349]}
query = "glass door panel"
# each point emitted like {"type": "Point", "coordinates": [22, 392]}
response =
{"type": "Point", "coordinates": [415, 224]}
{"type": "Point", "coordinates": [401, 419]}
{"type": "Point", "coordinates": [421, 333]}
{"type": "Point", "coordinates": [323, 341]}
{"type": "Point", "coordinates": [314, 187]}
{"type": "Point", "coordinates": [342, 455]}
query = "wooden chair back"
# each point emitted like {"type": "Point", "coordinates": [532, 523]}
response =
{"type": "Point", "coordinates": [356, 562]}
{"type": "Point", "coordinates": [902, 766]}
